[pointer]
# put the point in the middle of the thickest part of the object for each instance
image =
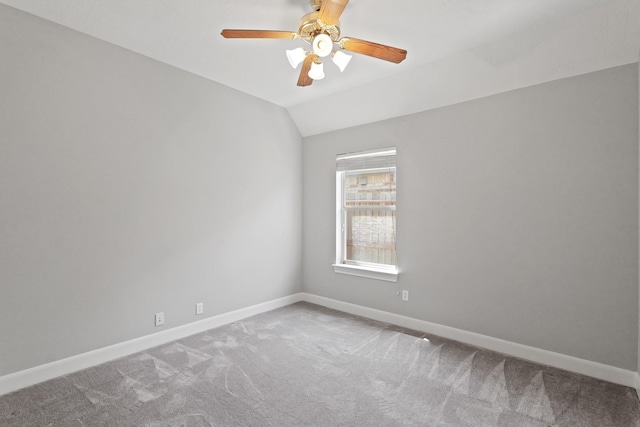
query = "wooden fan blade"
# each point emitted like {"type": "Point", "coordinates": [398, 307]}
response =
{"type": "Point", "coordinates": [330, 11]}
{"type": "Point", "coordinates": [258, 34]}
{"type": "Point", "coordinates": [380, 51]}
{"type": "Point", "coordinates": [304, 79]}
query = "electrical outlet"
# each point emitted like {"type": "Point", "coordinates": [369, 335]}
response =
{"type": "Point", "coordinates": [405, 295]}
{"type": "Point", "coordinates": [160, 319]}
{"type": "Point", "coordinates": [199, 308]}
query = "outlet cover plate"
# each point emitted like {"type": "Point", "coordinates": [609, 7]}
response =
{"type": "Point", "coordinates": [160, 319]}
{"type": "Point", "coordinates": [199, 308]}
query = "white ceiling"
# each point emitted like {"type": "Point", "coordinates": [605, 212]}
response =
{"type": "Point", "coordinates": [457, 49]}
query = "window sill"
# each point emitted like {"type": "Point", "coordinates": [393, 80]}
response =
{"type": "Point", "coordinates": [370, 273]}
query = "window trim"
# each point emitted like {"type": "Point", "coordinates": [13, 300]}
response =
{"type": "Point", "coordinates": [388, 275]}
{"type": "Point", "coordinates": [385, 272]}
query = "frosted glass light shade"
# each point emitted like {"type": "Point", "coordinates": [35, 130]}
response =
{"type": "Point", "coordinates": [322, 45]}
{"type": "Point", "coordinates": [341, 59]}
{"type": "Point", "coordinates": [317, 71]}
{"type": "Point", "coordinates": [295, 56]}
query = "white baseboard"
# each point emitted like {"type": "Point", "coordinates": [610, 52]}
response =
{"type": "Point", "coordinates": [21, 379]}
{"type": "Point", "coordinates": [38, 374]}
{"type": "Point", "coordinates": [533, 354]}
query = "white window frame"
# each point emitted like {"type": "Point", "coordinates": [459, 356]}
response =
{"type": "Point", "coordinates": [376, 271]}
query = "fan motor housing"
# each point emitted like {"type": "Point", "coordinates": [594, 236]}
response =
{"type": "Point", "coordinates": [311, 26]}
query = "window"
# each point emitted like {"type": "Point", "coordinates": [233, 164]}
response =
{"type": "Point", "coordinates": [366, 214]}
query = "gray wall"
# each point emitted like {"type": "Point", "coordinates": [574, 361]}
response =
{"type": "Point", "coordinates": [517, 216]}
{"type": "Point", "coordinates": [128, 187]}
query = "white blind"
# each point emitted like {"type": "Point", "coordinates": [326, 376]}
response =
{"type": "Point", "coordinates": [381, 158]}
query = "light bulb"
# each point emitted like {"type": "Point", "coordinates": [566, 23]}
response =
{"type": "Point", "coordinates": [295, 56]}
{"type": "Point", "coordinates": [341, 59]}
{"type": "Point", "coordinates": [317, 71]}
{"type": "Point", "coordinates": [322, 45]}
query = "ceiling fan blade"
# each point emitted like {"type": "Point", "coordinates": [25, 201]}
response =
{"type": "Point", "coordinates": [330, 11]}
{"type": "Point", "coordinates": [304, 79]}
{"type": "Point", "coordinates": [380, 51]}
{"type": "Point", "coordinates": [258, 34]}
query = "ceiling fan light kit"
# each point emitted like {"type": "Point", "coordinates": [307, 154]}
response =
{"type": "Point", "coordinates": [341, 59]}
{"type": "Point", "coordinates": [322, 45]}
{"type": "Point", "coordinates": [317, 70]}
{"type": "Point", "coordinates": [296, 56]}
{"type": "Point", "coordinates": [321, 29]}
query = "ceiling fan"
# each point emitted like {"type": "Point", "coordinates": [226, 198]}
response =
{"type": "Point", "coordinates": [321, 29]}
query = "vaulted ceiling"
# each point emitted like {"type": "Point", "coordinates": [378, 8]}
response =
{"type": "Point", "coordinates": [457, 49]}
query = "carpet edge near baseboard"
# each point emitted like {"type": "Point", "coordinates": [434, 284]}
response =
{"type": "Point", "coordinates": [557, 360]}
{"type": "Point", "coordinates": [38, 374]}
{"type": "Point", "coordinates": [31, 376]}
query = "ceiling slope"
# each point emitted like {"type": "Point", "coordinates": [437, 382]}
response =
{"type": "Point", "coordinates": [457, 49]}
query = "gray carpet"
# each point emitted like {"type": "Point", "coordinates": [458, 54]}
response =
{"type": "Point", "coordinates": [305, 365]}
